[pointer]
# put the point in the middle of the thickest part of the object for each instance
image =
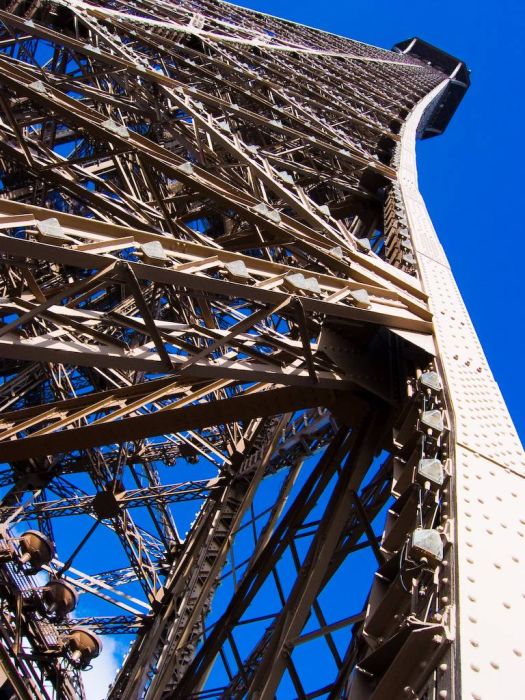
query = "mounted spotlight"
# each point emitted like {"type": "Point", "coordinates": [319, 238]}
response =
{"type": "Point", "coordinates": [84, 646]}
{"type": "Point", "coordinates": [37, 550]}
{"type": "Point", "coordinates": [60, 598]}
{"type": "Point", "coordinates": [426, 547]}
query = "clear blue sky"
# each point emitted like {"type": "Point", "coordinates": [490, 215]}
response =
{"type": "Point", "coordinates": [470, 176]}
{"type": "Point", "coordinates": [470, 181]}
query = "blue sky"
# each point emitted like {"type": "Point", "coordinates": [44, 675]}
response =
{"type": "Point", "coordinates": [469, 176]}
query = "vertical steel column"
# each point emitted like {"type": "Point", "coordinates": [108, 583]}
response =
{"type": "Point", "coordinates": [488, 491]}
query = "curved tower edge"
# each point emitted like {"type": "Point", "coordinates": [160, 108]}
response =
{"type": "Point", "coordinates": [487, 521]}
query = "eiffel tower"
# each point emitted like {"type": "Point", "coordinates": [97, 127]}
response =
{"type": "Point", "coordinates": [246, 425]}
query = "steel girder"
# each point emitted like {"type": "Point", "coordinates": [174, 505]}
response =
{"type": "Point", "coordinates": [211, 300]}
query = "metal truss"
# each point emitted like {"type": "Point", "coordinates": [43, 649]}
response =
{"type": "Point", "coordinates": [227, 426]}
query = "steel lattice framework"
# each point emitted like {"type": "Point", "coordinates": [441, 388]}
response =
{"type": "Point", "coordinates": [224, 308]}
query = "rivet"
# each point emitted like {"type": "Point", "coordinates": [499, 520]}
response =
{"type": "Point", "coordinates": [494, 664]}
{"type": "Point", "coordinates": [474, 643]}
{"type": "Point", "coordinates": [506, 604]}
{"type": "Point", "coordinates": [474, 620]}
{"type": "Point", "coordinates": [474, 667]}
{"type": "Point", "coordinates": [517, 652]}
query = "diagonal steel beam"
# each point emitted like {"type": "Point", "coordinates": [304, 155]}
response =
{"type": "Point", "coordinates": [244, 407]}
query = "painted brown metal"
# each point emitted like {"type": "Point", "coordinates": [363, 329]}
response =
{"type": "Point", "coordinates": [207, 265]}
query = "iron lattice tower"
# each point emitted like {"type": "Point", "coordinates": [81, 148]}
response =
{"type": "Point", "coordinates": [225, 309]}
